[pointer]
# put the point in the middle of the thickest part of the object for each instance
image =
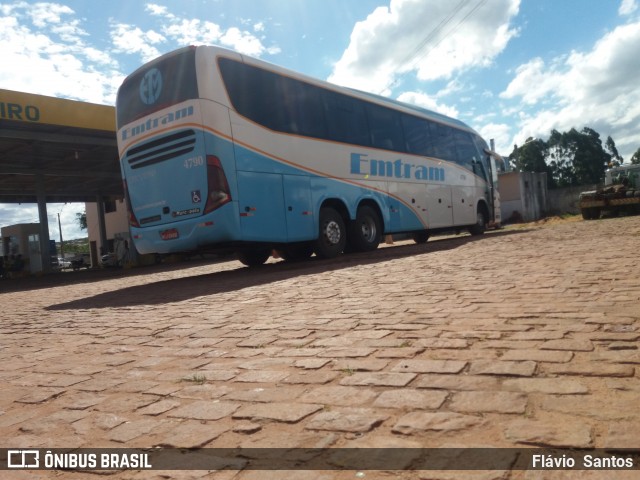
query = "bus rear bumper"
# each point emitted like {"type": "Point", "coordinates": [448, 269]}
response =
{"type": "Point", "coordinates": [183, 236]}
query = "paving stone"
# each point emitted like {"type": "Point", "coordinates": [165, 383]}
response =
{"type": "Point", "coordinates": [202, 392]}
{"type": "Point", "coordinates": [346, 352]}
{"type": "Point", "coordinates": [261, 376]}
{"type": "Point", "coordinates": [269, 394]}
{"type": "Point", "coordinates": [159, 407]}
{"type": "Point", "coordinates": [205, 410]}
{"type": "Point", "coordinates": [121, 403]}
{"type": "Point", "coordinates": [311, 363]}
{"type": "Point", "coordinates": [279, 412]}
{"type": "Point", "coordinates": [418, 422]}
{"type": "Point", "coordinates": [102, 421]}
{"type": "Point", "coordinates": [191, 434]}
{"type": "Point", "coordinates": [498, 402]}
{"type": "Point", "coordinates": [99, 384]}
{"type": "Point", "coordinates": [538, 355]}
{"type": "Point", "coordinates": [457, 382]}
{"type": "Point", "coordinates": [380, 379]}
{"type": "Point", "coordinates": [339, 395]}
{"type": "Point", "coordinates": [615, 336]}
{"type": "Point", "coordinates": [81, 400]}
{"type": "Point", "coordinates": [562, 386]}
{"type": "Point", "coordinates": [361, 365]}
{"type": "Point", "coordinates": [537, 335]}
{"type": "Point", "coordinates": [310, 377]}
{"type": "Point", "coordinates": [503, 367]}
{"type": "Point", "coordinates": [622, 435]}
{"type": "Point", "coordinates": [400, 352]}
{"type": "Point", "coordinates": [550, 434]}
{"type": "Point", "coordinates": [619, 356]}
{"type": "Point", "coordinates": [247, 428]}
{"type": "Point", "coordinates": [411, 398]}
{"type": "Point", "coordinates": [430, 366]}
{"type": "Point", "coordinates": [615, 406]}
{"type": "Point", "coordinates": [51, 380]}
{"type": "Point", "coordinates": [127, 431]}
{"type": "Point", "coordinates": [355, 420]}
{"type": "Point", "coordinates": [590, 369]}
{"type": "Point", "coordinates": [568, 344]}
{"type": "Point", "coordinates": [41, 395]}
{"type": "Point", "coordinates": [436, 343]}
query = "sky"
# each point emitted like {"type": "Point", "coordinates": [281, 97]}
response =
{"type": "Point", "coordinates": [511, 69]}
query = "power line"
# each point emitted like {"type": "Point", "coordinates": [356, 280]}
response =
{"type": "Point", "coordinates": [415, 54]}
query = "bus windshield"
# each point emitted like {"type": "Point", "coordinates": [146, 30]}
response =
{"type": "Point", "coordinates": [160, 84]}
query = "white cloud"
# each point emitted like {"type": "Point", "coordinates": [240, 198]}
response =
{"type": "Point", "coordinates": [596, 89]}
{"type": "Point", "coordinates": [500, 133]}
{"type": "Point", "coordinates": [425, 101]}
{"type": "Point", "coordinates": [433, 39]}
{"type": "Point", "coordinates": [130, 39]}
{"type": "Point", "coordinates": [193, 31]}
{"type": "Point", "coordinates": [44, 52]}
{"type": "Point", "coordinates": [627, 7]}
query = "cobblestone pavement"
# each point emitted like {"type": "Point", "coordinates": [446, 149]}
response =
{"type": "Point", "coordinates": [522, 337]}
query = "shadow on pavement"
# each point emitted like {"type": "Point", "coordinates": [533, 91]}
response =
{"type": "Point", "coordinates": [181, 289]}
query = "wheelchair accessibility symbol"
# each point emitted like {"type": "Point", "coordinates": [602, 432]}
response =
{"type": "Point", "coordinates": [195, 196]}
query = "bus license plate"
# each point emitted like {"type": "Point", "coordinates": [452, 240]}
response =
{"type": "Point", "coordinates": [171, 234]}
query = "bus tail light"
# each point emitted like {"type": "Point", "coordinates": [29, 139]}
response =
{"type": "Point", "coordinates": [218, 188]}
{"type": "Point", "coordinates": [133, 221]}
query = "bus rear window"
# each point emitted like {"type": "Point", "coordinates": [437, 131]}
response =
{"type": "Point", "coordinates": [158, 85]}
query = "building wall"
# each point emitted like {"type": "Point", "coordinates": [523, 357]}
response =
{"type": "Point", "coordinates": [117, 228]}
{"type": "Point", "coordinates": [15, 241]}
{"type": "Point", "coordinates": [523, 196]}
{"type": "Point", "coordinates": [565, 200]}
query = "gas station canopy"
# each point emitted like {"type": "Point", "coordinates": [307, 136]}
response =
{"type": "Point", "coordinates": [56, 150]}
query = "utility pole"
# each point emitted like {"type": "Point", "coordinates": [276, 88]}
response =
{"type": "Point", "coordinates": [61, 242]}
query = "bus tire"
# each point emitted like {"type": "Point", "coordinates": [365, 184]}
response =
{"type": "Point", "coordinates": [365, 231]}
{"type": "Point", "coordinates": [332, 238]}
{"type": "Point", "coordinates": [253, 258]}
{"type": "Point", "coordinates": [420, 237]}
{"type": "Point", "coordinates": [481, 222]}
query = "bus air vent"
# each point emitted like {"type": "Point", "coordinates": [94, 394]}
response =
{"type": "Point", "coordinates": [161, 149]}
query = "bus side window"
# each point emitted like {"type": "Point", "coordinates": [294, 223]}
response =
{"type": "Point", "coordinates": [443, 142]}
{"type": "Point", "coordinates": [302, 108]}
{"type": "Point", "coordinates": [346, 119]}
{"type": "Point", "coordinates": [417, 134]}
{"type": "Point", "coordinates": [385, 128]}
{"type": "Point", "coordinates": [466, 152]}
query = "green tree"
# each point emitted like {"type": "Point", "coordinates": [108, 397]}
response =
{"type": "Point", "coordinates": [560, 159]}
{"type": "Point", "coordinates": [616, 158]}
{"type": "Point", "coordinates": [532, 157]}
{"type": "Point", "coordinates": [635, 158]}
{"type": "Point", "coordinates": [590, 159]}
{"type": "Point", "coordinates": [81, 218]}
{"type": "Point", "coordinates": [577, 158]}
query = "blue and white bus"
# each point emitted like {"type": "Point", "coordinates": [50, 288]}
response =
{"type": "Point", "coordinates": [222, 151]}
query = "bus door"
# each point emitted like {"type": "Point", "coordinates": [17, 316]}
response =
{"type": "Point", "coordinates": [496, 164]}
{"type": "Point", "coordinates": [261, 207]}
{"type": "Point", "coordinates": [439, 207]}
{"type": "Point", "coordinates": [298, 211]}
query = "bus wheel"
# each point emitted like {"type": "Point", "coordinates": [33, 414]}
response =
{"type": "Point", "coordinates": [420, 237]}
{"type": "Point", "coordinates": [253, 258]}
{"type": "Point", "coordinates": [332, 238]}
{"type": "Point", "coordinates": [481, 223]}
{"type": "Point", "coordinates": [365, 232]}
{"type": "Point", "coordinates": [296, 252]}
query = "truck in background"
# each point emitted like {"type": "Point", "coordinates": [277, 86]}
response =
{"type": "Point", "coordinates": [620, 193]}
